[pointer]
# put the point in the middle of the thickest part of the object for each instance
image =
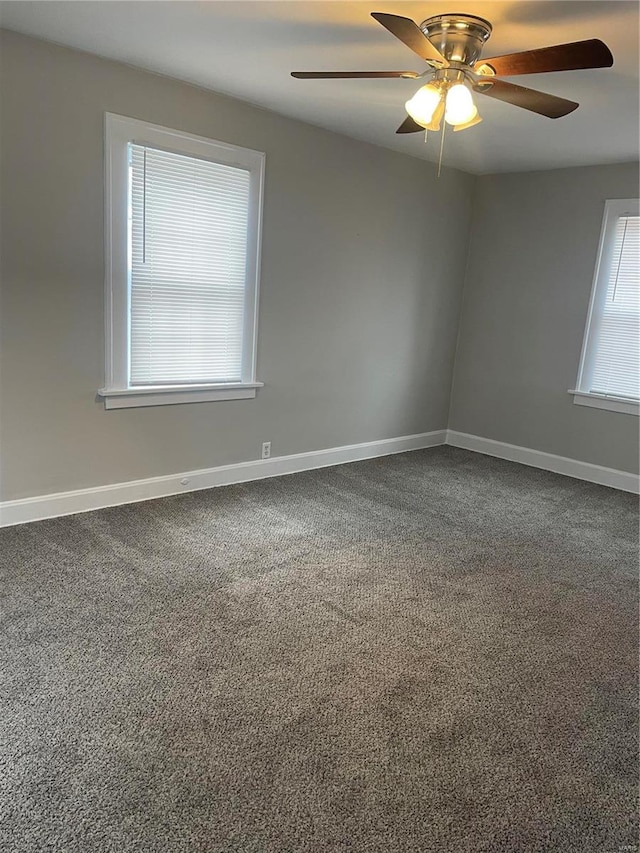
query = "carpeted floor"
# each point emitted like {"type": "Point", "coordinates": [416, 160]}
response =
{"type": "Point", "coordinates": [434, 651]}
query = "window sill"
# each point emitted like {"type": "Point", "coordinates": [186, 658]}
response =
{"type": "Point", "coordinates": [601, 401]}
{"type": "Point", "coordinates": [128, 398]}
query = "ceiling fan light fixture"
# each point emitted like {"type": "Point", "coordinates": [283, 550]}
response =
{"type": "Point", "coordinates": [424, 103]}
{"type": "Point", "coordinates": [451, 45]}
{"type": "Point", "coordinates": [460, 108]}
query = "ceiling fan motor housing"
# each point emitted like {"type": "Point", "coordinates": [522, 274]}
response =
{"type": "Point", "coordinates": [459, 38]}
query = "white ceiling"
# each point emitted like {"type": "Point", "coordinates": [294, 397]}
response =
{"type": "Point", "coordinates": [247, 49]}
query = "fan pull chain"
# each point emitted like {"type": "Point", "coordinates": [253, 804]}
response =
{"type": "Point", "coordinates": [444, 125]}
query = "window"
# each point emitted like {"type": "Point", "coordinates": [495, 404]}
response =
{"type": "Point", "coordinates": [609, 376]}
{"type": "Point", "coordinates": [182, 250]}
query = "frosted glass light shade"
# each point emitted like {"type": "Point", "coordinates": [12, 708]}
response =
{"type": "Point", "coordinates": [422, 105]}
{"type": "Point", "coordinates": [472, 123]}
{"type": "Point", "coordinates": [460, 108]}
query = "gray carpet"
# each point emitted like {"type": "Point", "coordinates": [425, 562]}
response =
{"type": "Point", "coordinates": [427, 652]}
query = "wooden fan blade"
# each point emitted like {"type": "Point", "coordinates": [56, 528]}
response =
{"type": "Point", "coordinates": [336, 75]}
{"type": "Point", "coordinates": [591, 53]}
{"type": "Point", "coordinates": [409, 126]}
{"type": "Point", "coordinates": [410, 33]}
{"type": "Point", "coordinates": [529, 99]}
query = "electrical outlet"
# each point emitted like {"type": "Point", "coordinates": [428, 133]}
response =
{"type": "Point", "coordinates": [266, 449]}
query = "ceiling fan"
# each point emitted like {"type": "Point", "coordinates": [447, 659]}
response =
{"type": "Point", "coordinates": [451, 45]}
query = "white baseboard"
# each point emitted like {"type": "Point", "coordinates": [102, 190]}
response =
{"type": "Point", "coordinates": [547, 461]}
{"type": "Point", "coordinates": [84, 500]}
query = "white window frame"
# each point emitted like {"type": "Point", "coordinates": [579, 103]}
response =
{"type": "Point", "coordinates": [582, 396]}
{"type": "Point", "coordinates": [117, 392]}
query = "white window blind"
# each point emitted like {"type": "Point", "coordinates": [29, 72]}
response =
{"type": "Point", "coordinates": [615, 368]}
{"type": "Point", "coordinates": [187, 268]}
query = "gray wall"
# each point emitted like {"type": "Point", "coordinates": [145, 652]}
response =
{"type": "Point", "coordinates": [360, 289]}
{"type": "Point", "coordinates": [533, 246]}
